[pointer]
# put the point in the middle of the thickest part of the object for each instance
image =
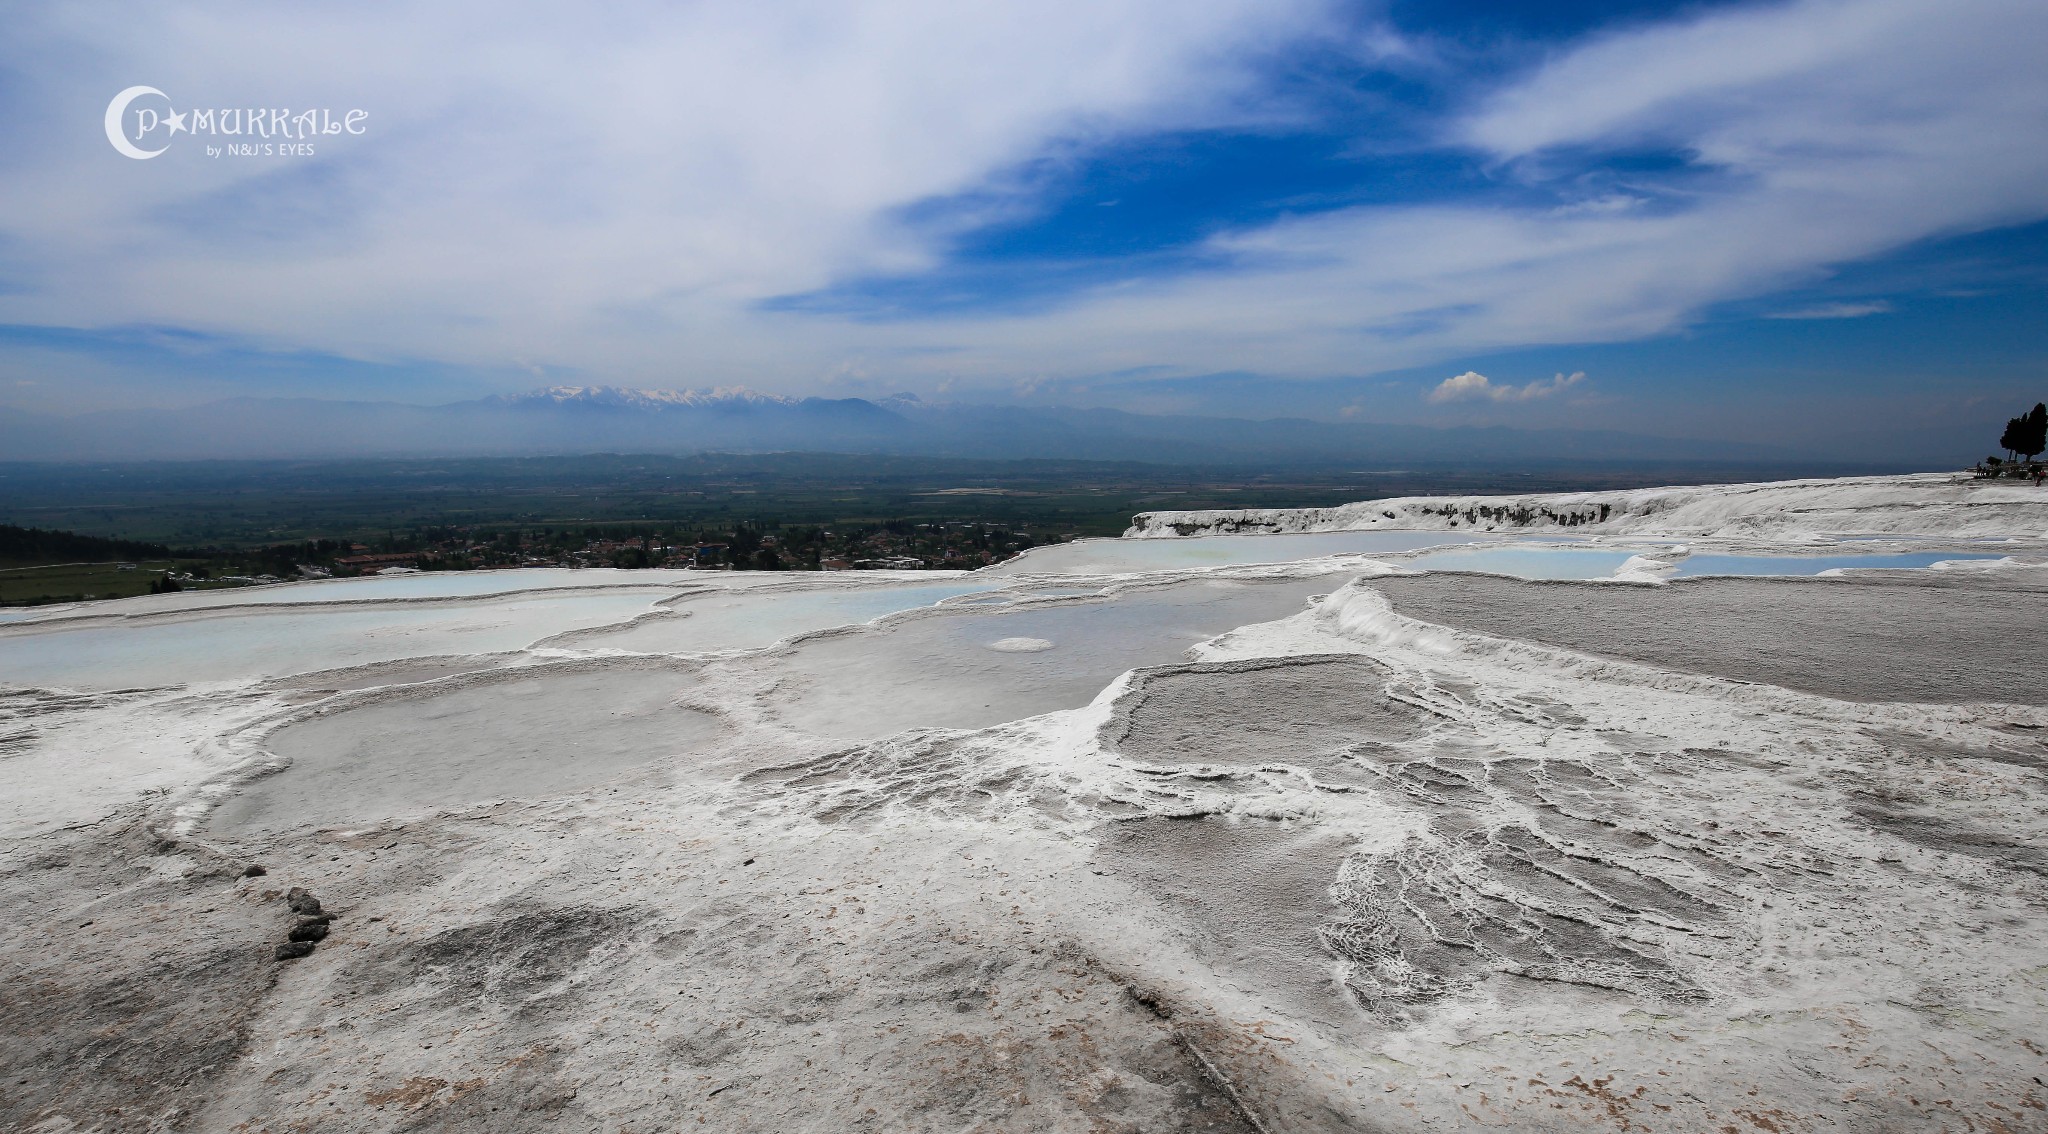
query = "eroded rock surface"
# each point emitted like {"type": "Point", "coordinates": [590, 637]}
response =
{"type": "Point", "coordinates": [1895, 638]}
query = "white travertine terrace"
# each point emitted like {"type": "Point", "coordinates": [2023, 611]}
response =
{"type": "Point", "coordinates": [1939, 506]}
{"type": "Point", "coordinates": [1316, 840]}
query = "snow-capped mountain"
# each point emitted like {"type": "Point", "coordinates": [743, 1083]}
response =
{"type": "Point", "coordinates": [621, 397]}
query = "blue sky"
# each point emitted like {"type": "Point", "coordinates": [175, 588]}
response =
{"type": "Point", "coordinates": [1704, 220]}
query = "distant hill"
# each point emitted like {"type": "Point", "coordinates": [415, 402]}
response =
{"type": "Point", "coordinates": [569, 420]}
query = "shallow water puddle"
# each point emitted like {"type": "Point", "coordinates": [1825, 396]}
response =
{"type": "Point", "coordinates": [1118, 556]}
{"type": "Point", "coordinates": [512, 738]}
{"type": "Point", "coordinates": [1815, 564]}
{"type": "Point", "coordinates": [1525, 562]}
{"type": "Point", "coordinates": [267, 643]}
{"type": "Point", "coordinates": [712, 623]}
{"type": "Point", "coordinates": [968, 667]}
{"type": "Point", "coordinates": [1585, 563]}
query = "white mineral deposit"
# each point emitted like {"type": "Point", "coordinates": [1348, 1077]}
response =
{"type": "Point", "coordinates": [1693, 809]}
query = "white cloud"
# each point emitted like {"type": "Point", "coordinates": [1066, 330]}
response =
{"type": "Point", "coordinates": [1472, 386]}
{"type": "Point", "coordinates": [613, 188]}
{"type": "Point", "coordinates": [1834, 311]}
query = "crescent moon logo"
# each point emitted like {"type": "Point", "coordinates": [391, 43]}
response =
{"type": "Point", "coordinates": [117, 110]}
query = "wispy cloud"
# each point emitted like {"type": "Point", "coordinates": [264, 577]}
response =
{"type": "Point", "coordinates": [1834, 311]}
{"type": "Point", "coordinates": [1472, 386]}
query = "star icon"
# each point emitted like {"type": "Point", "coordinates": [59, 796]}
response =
{"type": "Point", "coordinates": [175, 121]}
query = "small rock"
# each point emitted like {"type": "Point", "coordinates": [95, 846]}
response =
{"type": "Point", "coordinates": [293, 950]}
{"type": "Point", "coordinates": [302, 902]}
{"type": "Point", "coordinates": [253, 871]}
{"type": "Point", "coordinates": [309, 930]}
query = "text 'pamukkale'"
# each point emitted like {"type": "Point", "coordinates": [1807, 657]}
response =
{"type": "Point", "coordinates": [261, 122]}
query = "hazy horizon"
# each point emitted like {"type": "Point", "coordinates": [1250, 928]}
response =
{"type": "Point", "coordinates": [579, 420]}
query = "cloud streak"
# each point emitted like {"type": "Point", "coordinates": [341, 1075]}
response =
{"type": "Point", "coordinates": [1834, 311]}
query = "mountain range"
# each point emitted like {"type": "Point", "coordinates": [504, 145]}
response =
{"type": "Point", "coordinates": [565, 420]}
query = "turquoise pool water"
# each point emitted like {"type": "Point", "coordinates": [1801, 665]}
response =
{"type": "Point", "coordinates": [1815, 564]}
{"type": "Point", "coordinates": [1599, 563]}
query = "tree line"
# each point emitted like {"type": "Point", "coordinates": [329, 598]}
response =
{"type": "Point", "coordinates": [33, 546]}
